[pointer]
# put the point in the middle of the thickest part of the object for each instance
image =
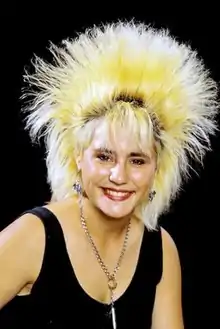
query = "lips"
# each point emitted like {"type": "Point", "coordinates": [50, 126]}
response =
{"type": "Point", "coordinates": [117, 195]}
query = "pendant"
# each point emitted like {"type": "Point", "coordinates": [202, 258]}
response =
{"type": "Point", "coordinates": [112, 283]}
{"type": "Point", "coordinates": [113, 317]}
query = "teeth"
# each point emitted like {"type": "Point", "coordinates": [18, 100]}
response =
{"type": "Point", "coordinates": [119, 194]}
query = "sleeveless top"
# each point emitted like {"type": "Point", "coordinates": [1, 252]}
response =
{"type": "Point", "coordinates": [57, 300]}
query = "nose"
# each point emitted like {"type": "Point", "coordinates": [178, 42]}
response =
{"type": "Point", "coordinates": [118, 174]}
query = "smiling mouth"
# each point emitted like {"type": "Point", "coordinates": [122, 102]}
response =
{"type": "Point", "coordinates": [117, 195]}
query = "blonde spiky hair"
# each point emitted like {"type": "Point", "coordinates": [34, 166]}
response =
{"type": "Point", "coordinates": [156, 76]}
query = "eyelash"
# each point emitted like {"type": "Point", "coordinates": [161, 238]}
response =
{"type": "Point", "coordinates": [103, 157]}
{"type": "Point", "coordinates": [139, 162]}
{"type": "Point", "coordinates": [107, 158]}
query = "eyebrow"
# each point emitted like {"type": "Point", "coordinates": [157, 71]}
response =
{"type": "Point", "coordinates": [132, 154]}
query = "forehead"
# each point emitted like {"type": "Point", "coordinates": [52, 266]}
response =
{"type": "Point", "coordinates": [119, 139]}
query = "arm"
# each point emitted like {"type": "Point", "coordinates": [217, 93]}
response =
{"type": "Point", "coordinates": [19, 255]}
{"type": "Point", "coordinates": [167, 311]}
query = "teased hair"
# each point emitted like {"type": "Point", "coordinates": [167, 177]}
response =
{"type": "Point", "coordinates": [128, 63]}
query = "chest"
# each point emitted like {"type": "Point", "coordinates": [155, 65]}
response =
{"type": "Point", "coordinates": [134, 309]}
{"type": "Point", "coordinates": [92, 270]}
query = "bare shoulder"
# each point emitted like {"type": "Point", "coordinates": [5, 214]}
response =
{"type": "Point", "coordinates": [23, 232]}
{"type": "Point", "coordinates": [171, 261]}
{"type": "Point", "coordinates": [23, 223]}
{"type": "Point", "coordinates": [21, 249]}
{"type": "Point", "coordinates": [170, 251]}
{"type": "Point", "coordinates": [167, 311]}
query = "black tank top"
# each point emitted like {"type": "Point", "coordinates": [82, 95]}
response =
{"type": "Point", "coordinates": [58, 301]}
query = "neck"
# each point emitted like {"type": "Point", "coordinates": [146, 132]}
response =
{"type": "Point", "coordinates": [102, 227]}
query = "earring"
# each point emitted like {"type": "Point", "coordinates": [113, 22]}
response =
{"type": "Point", "coordinates": [77, 187]}
{"type": "Point", "coordinates": [151, 195]}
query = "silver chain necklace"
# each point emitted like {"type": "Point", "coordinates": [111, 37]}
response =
{"type": "Point", "coordinates": [112, 282]}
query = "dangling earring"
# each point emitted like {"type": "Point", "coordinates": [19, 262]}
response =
{"type": "Point", "coordinates": [151, 195]}
{"type": "Point", "coordinates": [77, 186]}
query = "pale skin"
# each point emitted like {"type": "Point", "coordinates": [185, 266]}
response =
{"type": "Point", "coordinates": [21, 252]}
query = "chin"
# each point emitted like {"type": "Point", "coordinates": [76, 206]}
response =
{"type": "Point", "coordinates": [115, 210]}
{"type": "Point", "coordinates": [116, 215]}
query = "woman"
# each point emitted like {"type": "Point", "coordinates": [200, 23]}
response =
{"type": "Point", "coordinates": [121, 109]}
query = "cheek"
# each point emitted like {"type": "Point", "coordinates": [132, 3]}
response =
{"type": "Point", "coordinates": [93, 172]}
{"type": "Point", "coordinates": [142, 178]}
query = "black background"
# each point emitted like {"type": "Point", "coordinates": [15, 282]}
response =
{"type": "Point", "coordinates": [193, 219]}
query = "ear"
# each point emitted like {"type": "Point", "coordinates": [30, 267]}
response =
{"type": "Point", "coordinates": [79, 154]}
{"type": "Point", "coordinates": [78, 161]}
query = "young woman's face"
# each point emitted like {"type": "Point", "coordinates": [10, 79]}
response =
{"type": "Point", "coordinates": [117, 178]}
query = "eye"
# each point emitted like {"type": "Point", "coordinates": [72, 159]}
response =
{"type": "Point", "coordinates": [138, 162]}
{"type": "Point", "coordinates": [104, 157]}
